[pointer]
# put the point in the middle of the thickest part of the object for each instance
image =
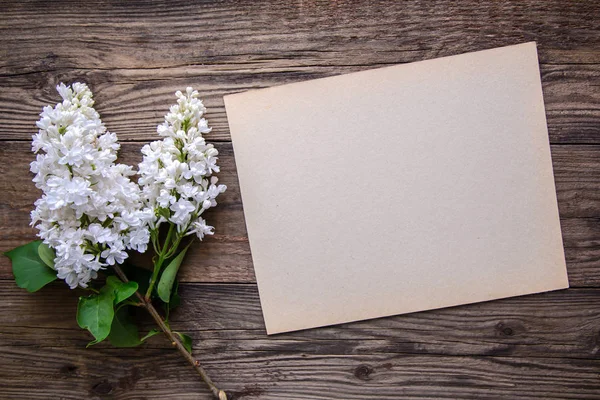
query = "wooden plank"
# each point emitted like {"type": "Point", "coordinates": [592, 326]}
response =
{"type": "Point", "coordinates": [226, 256]}
{"type": "Point", "coordinates": [142, 54]}
{"type": "Point", "coordinates": [489, 350]}
{"type": "Point", "coordinates": [161, 374]}
{"type": "Point", "coordinates": [106, 35]}
{"type": "Point", "coordinates": [133, 101]}
{"type": "Point", "coordinates": [227, 318]}
{"type": "Point", "coordinates": [581, 239]}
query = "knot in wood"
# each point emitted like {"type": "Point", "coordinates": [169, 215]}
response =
{"type": "Point", "coordinates": [504, 330]}
{"type": "Point", "coordinates": [102, 388]}
{"type": "Point", "coordinates": [363, 372]}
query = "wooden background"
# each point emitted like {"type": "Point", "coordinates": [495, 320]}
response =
{"type": "Point", "coordinates": [136, 54]}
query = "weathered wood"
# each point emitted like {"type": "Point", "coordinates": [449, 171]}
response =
{"type": "Point", "coordinates": [135, 54]}
{"type": "Point", "coordinates": [224, 318]}
{"type": "Point", "coordinates": [571, 93]}
{"type": "Point", "coordinates": [577, 177]}
{"type": "Point", "coordinates": [157, 373]}
{"type": "Point", "coordinates": [138, 34]}
{"type": "Point", "coordinates": [226, 256]}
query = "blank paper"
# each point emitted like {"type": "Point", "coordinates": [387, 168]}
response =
{"type": "Point", "coordinates": [399, 189]}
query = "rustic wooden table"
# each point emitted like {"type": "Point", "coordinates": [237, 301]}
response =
{"type": "Point", "coordinates": [136, 54]}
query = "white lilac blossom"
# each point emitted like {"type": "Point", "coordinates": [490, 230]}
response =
{"type": "Point", "coordinates": [90, 212]}
{"type": "Point", "coordinates": [176, 172]}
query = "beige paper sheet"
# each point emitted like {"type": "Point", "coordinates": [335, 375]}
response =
{"type": "Point", "coordinates": [400, 189]}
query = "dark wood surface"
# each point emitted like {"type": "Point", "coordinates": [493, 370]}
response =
{"type": "Point", "coordinates": [135, 54]}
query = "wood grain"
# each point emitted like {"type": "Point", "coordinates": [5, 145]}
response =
{"type": "Point", "coordinates": [485, 350]}
{"type": "Point", "coordinates": [571, 93]}
{"type": "Point", "coordinates": [131, 55]}
{"type": "Point", "coordinates": [225, 318]}
{"type": "Point", "coordinates": [136, 54]}
{"type": "Point", "coordinates": [226, 256]}
{"type": "Point", "coordinates": [136, 34]}
{"type": "Point", "coordinates": [156, 373]}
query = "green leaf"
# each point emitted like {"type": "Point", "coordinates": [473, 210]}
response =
{"type": "Point", "coordinates": [123, 332]}
{"type": "Point", "coordinates": [47, 254]}
{"type": "Point", "coordinates": [186, 341]}
{"type": "Point", "coordinates": [122, 290]}
{"type": "Point", "coordinates": [95, 313]}
{"type": "Point", "coordinates": [168, 277]}
{"type": "Point", "coordinates": [30, 271]}
{"type": "Point", "coordinates": [153, 332]}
